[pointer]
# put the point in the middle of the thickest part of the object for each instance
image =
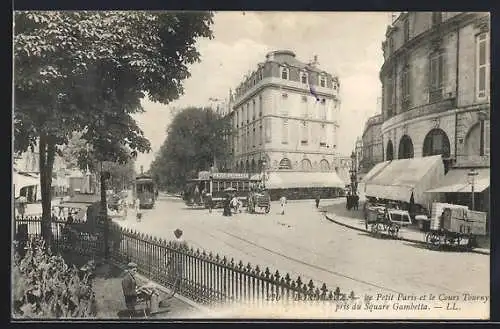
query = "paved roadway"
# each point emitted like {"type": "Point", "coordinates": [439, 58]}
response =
{"type": "Point", "coordinates": [303, 243]}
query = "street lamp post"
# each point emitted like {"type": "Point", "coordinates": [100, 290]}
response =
{"type": "Point", "coordinates": [471, 177]}
{"type": "Point", "coordinates": [353, 173]}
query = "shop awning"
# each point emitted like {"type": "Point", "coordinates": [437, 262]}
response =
{"type": "Point", "coordinates": [374, 171]}
{"type": "Point", "coordinates": [455, 181]}
{"type": "Point", "coordinates": [23, 180]}
{"type": "Point", "coordinates": [289, 179]}
{"type": "Point", "coordinates": [399, 178]}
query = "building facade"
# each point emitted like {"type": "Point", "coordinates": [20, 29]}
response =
{"type": "Point", "coordinates": [436, 81]}
{"type": "Point", "coordinates": [372, 146]}
{"type": "Point", "coordinates": [284, 115]}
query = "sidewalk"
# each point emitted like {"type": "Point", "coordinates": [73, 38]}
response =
{"type": "Point", "coordinates": [338, 214]}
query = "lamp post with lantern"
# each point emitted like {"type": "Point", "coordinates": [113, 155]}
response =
{"type": "Point", "coordinates": [471, 177]}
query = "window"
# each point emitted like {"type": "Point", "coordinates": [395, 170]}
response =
{"type": "Point", "coordinates": [284, 132]}
{"type": "Point", "coordinates": [261, 134]}
{"type": "Point", "coordinates": [254, 136]}
{"type": "Point", "coordinates": [284, 104]}
{"type": "Point", "coordinates": [305, 134]}
{"type": "Point", "coordinates": [267, 126]}
{"type": "Point", "coordinates": [253, 109]}
{"type": "Point", "coordinates": [322, 136]}
{"type": "Point", "coordinates": [284, 73]}
{"type": "Point", "coordinates": [437, 18]}
{"type": "Point", "coordinates": [405, 88]}
{"type": "Point", "coordinates": [248, 113]}
{"type": "Point", "coordinates": [322, 110]}
{"type": "Point", "coordinates": [482, 65]}
{"type": "Point", "coordinates": [436, 77]}
{"type": "Point", "coordinates": [407, 29]}
{"type": "Point", "coordinates": [322, 80]}
{"type": "Point", "coordinates": [260, 105]}
{"type": "Point", "coordinates": [303, 77]}
{"type": "Point", "coordinates": [304, 106]}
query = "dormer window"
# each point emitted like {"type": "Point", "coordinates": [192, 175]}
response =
{"type": "Point", "coordinates": [284, 73]}
{"type": "Point", "coordinates": [303, 77]}
{"type": "Point", "coordinates": [322, 80]}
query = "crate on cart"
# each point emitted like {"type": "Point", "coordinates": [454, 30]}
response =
{"type": "Point", "coordinates": [454, 225]}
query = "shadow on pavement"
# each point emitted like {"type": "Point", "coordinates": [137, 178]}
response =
{"type": "Point", "coordinates": [449, 249]}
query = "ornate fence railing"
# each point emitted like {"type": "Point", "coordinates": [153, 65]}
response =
{"type": "Point", "coordinates": [206, 278]}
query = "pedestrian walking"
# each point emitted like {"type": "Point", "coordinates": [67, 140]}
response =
{"type": "Point", "coordinates": [283, 204]}
{"type": "Point", "coordinates": [356, 201]}
{"type": "Point", "coordinates": [175, 263]}
{"type": "Point", "coordinates": [317, 201]}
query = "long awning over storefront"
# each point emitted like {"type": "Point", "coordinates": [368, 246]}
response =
{"type": "Point", "coordinates": [456, 181]}
{"type": "Point", "coordinates": [294, 179]}
{"type": "Point", "coordinates": [399, 178]}
{"type": "Point", "coordinates": [23, 180]}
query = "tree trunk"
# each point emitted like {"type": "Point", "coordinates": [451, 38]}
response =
{"type": "Point", "coordinates": [47, 154]}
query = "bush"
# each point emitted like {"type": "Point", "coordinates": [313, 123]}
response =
{"type": "Point", "coordinates": [44, 286]}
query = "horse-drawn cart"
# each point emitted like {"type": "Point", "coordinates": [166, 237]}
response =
{"type": "Point", "coordinates": [385, 221]}
{"type": "Point", "coordinates": [454, 226]}
{"type": "Point", "coordinates": [259, 199]}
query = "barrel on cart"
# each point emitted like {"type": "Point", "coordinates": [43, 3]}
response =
{"type": "Point", "coordinates": [454, 226]}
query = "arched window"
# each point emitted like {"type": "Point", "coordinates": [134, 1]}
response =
{"type": "Point", "coordinates": [247, 166]}
{"type": "Point", "coordinates": [324, 165]}
{"type": "Point", "coordinates": [405, 150]}
{"type": "Point", "coordinates": [306, 165]}
{"type": "Point", "coordinates": [242, 166]}
{"type": "Point", "coordinates": [436, 142]}
{"type": "Point", "coordinates": [285, 163]}
{"type": "Point", "coordinates": [253, 166]}
{"type": "Point", "coordinates": [389, 152]}
{"type": "Point", "coordinates": [474, 141]}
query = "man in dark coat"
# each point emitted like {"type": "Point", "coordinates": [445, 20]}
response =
{"type": "Point", "coordinates": [317, 201]}
{"type": "Point", "coordinates": [129, 286]}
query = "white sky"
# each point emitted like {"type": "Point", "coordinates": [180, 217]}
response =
{"type": "Point", "coordinates": [347, 44]}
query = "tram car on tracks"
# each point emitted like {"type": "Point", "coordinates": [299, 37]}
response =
{"type": "Point", "coordinates": [454, 226]}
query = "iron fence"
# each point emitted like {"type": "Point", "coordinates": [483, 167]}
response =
{"type": "Point", "coordinates": [206, 278]}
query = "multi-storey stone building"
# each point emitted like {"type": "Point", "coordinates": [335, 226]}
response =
{"type": "Point", "coordinates": [436, 101]}
{"type": "Point", "coordinates": [285, 114]}
{"type": "Point", "coordinates": [373, 152]}
{"type": "Point", "coordinates": [435, 79]}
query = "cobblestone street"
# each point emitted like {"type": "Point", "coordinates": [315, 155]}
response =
{"type": "Point", "coordinates": [304, 243]}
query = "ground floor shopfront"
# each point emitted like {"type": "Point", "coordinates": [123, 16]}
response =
{"type": "Point", "coordinates": [426, 180]}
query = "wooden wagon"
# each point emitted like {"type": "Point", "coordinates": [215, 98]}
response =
{"type": "Point", "coordinates": [386, 221]}
{"type": "Point", "coordinates": [454, 226]}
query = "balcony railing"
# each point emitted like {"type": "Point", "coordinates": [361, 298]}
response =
{"type": "Point", "coordinates": [420, 111]}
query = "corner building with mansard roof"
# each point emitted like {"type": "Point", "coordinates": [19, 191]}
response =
{"type": "Point", "coordinates": [284, 115]}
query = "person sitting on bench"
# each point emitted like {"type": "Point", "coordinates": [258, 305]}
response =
{"type": "Point", "coordinates": [129, 286]}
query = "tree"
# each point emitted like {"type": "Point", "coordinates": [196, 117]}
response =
{"type": "Point", "coordinates": [195, 138]}
{"type": "Point", "coordinates": [87, 72]}
{"type": "Point", "coordinates": [79, 154]}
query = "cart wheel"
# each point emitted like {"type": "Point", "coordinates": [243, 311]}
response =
{"type": "Point", "coordinates": [393, 230]}
{"type": "Point", "coordinates": [433, 240]}
{"type": "Point", "coordinates": [268, 209]}
{"type": "Point", "coordinates": [375, 229]}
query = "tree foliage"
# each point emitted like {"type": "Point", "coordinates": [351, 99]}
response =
{"type": "Point", "coordinates": [194, 138]}
{"type": "Point", "coordinates": [87, 72]}
{"type": "Point", "coordinates": [78, 154]}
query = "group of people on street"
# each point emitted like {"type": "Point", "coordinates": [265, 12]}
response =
{"type": "Point", "coordinates": [352, 201]}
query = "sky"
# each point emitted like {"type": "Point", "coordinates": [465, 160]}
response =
{"type": "Point", "coordinates": [348, 44]}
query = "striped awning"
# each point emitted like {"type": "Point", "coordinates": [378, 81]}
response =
{"type": "Point", "coordinates": [456, 181]}
{"type": "Point", "coordinates": [295, 179]}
